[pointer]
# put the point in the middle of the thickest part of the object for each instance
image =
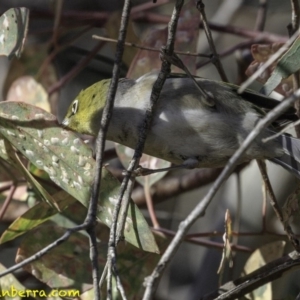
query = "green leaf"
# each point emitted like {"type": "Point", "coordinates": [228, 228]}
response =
{"type": "Point", "coordinates": [35, 184]}
{"type": "Point", "coordinates": [70, 258]}
{"type": "Point", "coordinates": [287, 65]}
{"type": "Point", "coordinates": [13, 31]}
{"type": "Point", "coordinates": [69, 163]}
{"type": "Point", "coordinates": [68, 265]}
{"type": "Point", "coordinates": [35, 216]}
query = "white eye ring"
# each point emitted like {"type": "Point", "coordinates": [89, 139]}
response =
{"type": "Point", "coordinates": [75, 107]}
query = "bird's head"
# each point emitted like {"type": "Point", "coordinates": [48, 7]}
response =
{"type": "Point", "coordinates": [85, 111]}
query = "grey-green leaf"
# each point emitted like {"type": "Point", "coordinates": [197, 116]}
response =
{"type": "Point", "coordinates": [287, 65]}
{"type": "Point", "coordinates": [69, 163]}
{"type": "Point", "coordinates": [13, 31]}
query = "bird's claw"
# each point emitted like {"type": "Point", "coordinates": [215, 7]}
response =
{"type": "Point", "coordinates": [139, 171]}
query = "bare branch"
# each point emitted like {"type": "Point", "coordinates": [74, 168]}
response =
{"type": "Point", "coordinates": [216, 59]}
{"type": "Point", "coordinates": [261, 15]}
{"type": "Point", "coordinates": [175, 185]}
{"type": "Point", "coordinates": [275, 205]}
{"type": "Point", "coordinates": [8, 200]}
{"type": "Point", "coordinates": [102, 38]}
{"type": "Point", "coordinates": [244, 285]}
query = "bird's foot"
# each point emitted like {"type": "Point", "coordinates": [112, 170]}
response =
{"type": "Point", "coordinates": [141, 171]}
{"type": "Point", "coordinates": [189, 163]}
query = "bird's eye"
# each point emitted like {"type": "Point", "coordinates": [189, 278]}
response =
{"type": "Point", "coordinates": [75, 107]}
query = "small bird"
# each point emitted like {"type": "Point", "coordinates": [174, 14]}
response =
{"type": "Point", "coordinates": [186, 130]}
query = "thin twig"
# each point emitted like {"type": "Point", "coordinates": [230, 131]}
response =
{"type": "Point", "coordinates": [277, 134]}
{"type": "Point", "coordinates": [100, 18]}
{"type": "Point", "coordinates": [238, 288]}
{"type": "Point", "coordinates": [44, 251]}
{"type": "Point", "coordinates": [230, 29]}
{"type": "Point", "coordinates": [58, 49]}
{"type": "Point", "coordinates": [128, 181]}
{"type": "Point", "coordinates": [149, 203]}
{"type": "Point", "coordinates": [103, 276]}
{"type": "Point", "coordinates": [58, 10]}
{"type": "Point", "coordinates": [176, 61]}
{"type": "Point", "coordinates": [100, 142]}
{"type": "Point", "coordinates": [6, 186]}
{"type": "Point", "coordinates": [216, 59]}
{"type": "Point", "coordinates": [175, 185]}
{"type": "Point", "coordinates": [275, 205]}
{"type": "Point", "coordinates": [205, 242]}
{"type": "Point", "coordinates": [199, 210]}
{"type": "Point", "coordinates": [247, 33]}
{"type": "Point", "coordinates": [157, 87]}
{"type": "Point", "coordinates": [118, 281]}
{"type": "Point", "coordinates": [105, 39]}
{"type": "Point", "coordinates": [148, 5]}
{"type": "Point", "coordinates": [76, 70]}
{"type": "Point", "coordinates": [149, 112]}
{"type": "Point", "coordinates": [90, 220]}
{"type": "Point", "coordinates": [230, 50]}
{"type": "Point", "coordinates": [118, 222]}
{"type": "Point", "coordinates": [8, 200]}
{"type": "Point", "coordinates": [234, 233]}
{"type": "Point", "coordinates": [261, 15]}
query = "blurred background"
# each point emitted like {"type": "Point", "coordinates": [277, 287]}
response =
{"type": "Point", "coordinates": [66, 59]}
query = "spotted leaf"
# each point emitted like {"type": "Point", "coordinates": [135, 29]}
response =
{"type": "Point", "coordinates": [13, 30]}
{"type": "Point", "coordinates": [69, 163]}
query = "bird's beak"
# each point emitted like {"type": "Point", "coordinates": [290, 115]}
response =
{"type": "Point", "coordinates": [65, 122]}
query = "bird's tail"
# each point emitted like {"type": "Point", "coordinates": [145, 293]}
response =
{"type": "Point", "coordinates": [290, 160]}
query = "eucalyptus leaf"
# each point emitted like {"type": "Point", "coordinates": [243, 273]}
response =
{"type": "Point", "coordinates": [287, 65]}
{"type": "Point", "coordinates": [69, 163]}
{"type": "Point", "coordinates": [36, 215]}
{"type": "Point", "coordinates": [72, 259]}
{"type": "Point", "coordinates": [13, 31]}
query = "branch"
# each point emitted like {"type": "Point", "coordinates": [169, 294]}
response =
{"type": "Point", "coordinates": [8, 199]}
{"type": "Point", "coordinates": [102, 38]}
{"type": "Point", "coordinates": [90, 220]}
{"type": "Point", "coordinates": [175, 185]}
{"type": "Point", "coordinates": [261, 15]}
{"type": "Point", "coordinates": [100, 18]}
{"type": "Point", "coordinates": [287, 228]}
{"type": "Point", "coordinates": [216, 59]}
{"type": "Point", "coordinates": [76, 70]}
{"type": "Point", "coordinates": [244, 285]}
